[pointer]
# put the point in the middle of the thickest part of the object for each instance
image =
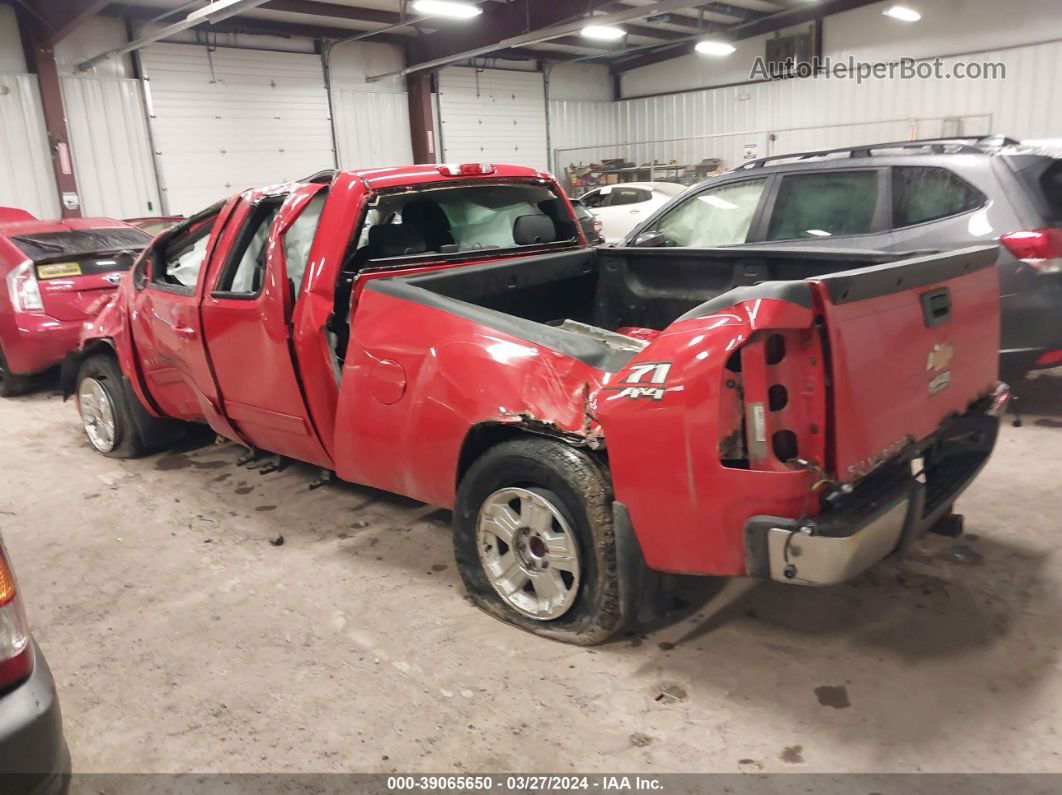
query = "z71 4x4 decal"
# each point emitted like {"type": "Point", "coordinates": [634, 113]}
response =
{"type": "Point", "coordinates": [652, 376]}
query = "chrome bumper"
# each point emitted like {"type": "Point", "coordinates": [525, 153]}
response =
{"type": "Point", "coordinates": [803, 559]}
{"type": "Point", "coordinates": [885, 512]}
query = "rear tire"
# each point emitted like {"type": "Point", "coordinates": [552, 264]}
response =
{"type": "Point", "coordinates": [106, 415]}
{"type": "Point", "coordinates": [534, 543]}
{"type": "Point", "coordinates": [11, 384]}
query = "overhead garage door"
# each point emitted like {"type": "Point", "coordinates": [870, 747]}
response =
{"type": "Point", "coordinates": [229, 119]}
{"type": "Point", "coordinates": [26, 177]}
{"type": "Point", "coordinates": [493, 116]}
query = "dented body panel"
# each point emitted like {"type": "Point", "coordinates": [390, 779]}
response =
{"type": "Point", "coordinates": [726, 411]}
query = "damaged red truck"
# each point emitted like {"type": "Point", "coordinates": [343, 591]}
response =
{"type": "Point", "coordinates": [591, 416]}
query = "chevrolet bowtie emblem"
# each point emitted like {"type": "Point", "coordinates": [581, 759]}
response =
{"type": "Point", "coordinates": [940, 357]}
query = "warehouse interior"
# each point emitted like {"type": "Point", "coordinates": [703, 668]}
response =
{"type": "Point", "coordinates": [249, 517]}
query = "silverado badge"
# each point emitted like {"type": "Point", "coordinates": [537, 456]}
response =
{"type": "Point", "coordinates": [938, 359]}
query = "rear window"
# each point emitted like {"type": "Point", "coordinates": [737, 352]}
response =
{"type": "Point", "coordinates": [80, 244]}
{"type": "Point", "coordinates": [921, 194]}
{"type": "Point", "coordinates": [455, 220]}
{"type": "Point", "coordinates": [622, 196]}
{"type": "Point", "coordinates": [824, 205]}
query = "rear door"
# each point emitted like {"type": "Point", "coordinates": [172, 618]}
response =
{"type": "Point", "coordinates": [832, 207]}
{"type": "Point", "coordinates": [246, 316]}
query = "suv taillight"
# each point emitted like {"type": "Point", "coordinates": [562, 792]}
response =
{"type": "Point", "coordinates": [16, 656]}
{"type": "Point", "coordinates": [1040, 248]}
{"type": "Point", "coordinates": [23, 290]}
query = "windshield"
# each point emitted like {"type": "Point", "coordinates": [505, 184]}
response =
{"type": "Point", "coordinates": [80, 243]}
{"type": "Point", "coordinates": [452, 220]}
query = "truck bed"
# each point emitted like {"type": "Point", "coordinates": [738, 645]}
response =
{"type": "Point", "coordinates": [568, 300]}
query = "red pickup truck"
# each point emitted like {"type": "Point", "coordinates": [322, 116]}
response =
{"type": "Point", "coordinates": [592, 416]}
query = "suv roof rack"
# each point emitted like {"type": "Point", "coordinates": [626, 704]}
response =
{"type": "Point", "coordinates": [973, 144]}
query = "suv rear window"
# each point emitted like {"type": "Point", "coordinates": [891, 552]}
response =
{"type": "Point", "coordinates": [824, 205]}
{"type": "Point", "coordinates": [921, 194]}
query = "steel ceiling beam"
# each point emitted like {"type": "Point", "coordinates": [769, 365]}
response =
{"type": "Point", "coordinates": [503, 29]}
{"type": "Point", "coordinates": [63, 17]}
{"type": "Point", "coordinates": [747, 30]}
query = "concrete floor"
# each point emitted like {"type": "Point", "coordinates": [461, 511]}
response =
{"type": "Point", "coordinates": [182, 640]}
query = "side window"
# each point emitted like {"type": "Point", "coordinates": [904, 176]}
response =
{"type": "Point", "coordinates": [181, 258]}
{"type": "Point", "coordinates": [629, 196]}
{"type": "Point", "coordinates": [824, 204]}
{"type": "Point", "coordinates": [926, 194]}
{"type": "Point", "coordinates": [299, 238]}
{"type": "Point", "coordinates": [719, 216]}
{"type": "Point", "coordinates": [594, 198]}
{"type": "Point", "coordinates": [245, 268]}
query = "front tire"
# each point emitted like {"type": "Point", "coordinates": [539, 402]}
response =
{"type": "Point", "coordinates": [105, 412]}
{"type": "Point", "coordinates": [534, 543]}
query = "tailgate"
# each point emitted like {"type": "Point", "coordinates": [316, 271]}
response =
{"type": "Point", "coordinates": [72, 288]}
{"type": "Point", "coordinates": [910, 342]}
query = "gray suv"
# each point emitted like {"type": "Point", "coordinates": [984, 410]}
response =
{"type": "Point", "coordinates": [900, 197]}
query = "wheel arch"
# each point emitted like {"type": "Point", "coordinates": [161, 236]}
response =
{"type": "Point", "coordinates": [71, 364]}
{"type": "Point", "coordinates": [484, 435]}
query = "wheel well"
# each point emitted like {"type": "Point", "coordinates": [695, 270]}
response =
{"type": "Point", "coordinates": [72, 363]}
{"type": "Point", "coordinates": [486, 435]}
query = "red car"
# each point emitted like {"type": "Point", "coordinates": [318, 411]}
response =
{"type": "Point", "coordinates": [53, 274]}
{"type": "Point", "coordinates": [592, 416]}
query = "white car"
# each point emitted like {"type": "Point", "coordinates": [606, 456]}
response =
{"type": "Point", "coordinates": [622, 207]}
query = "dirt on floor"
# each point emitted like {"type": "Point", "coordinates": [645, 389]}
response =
{"type": "Point", "coordinates": [184, 637]}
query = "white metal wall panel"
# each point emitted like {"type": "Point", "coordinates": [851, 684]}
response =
{"type": "Point", "coordinates": [231, 119]}
{"type": "Point", "coordinates": [26, 178]}
{"type": "Point", "coordinates": [578, 123]}
{"type": "Point", "coordinates": [493, 115]}
{"type": "Point", "coordinates": [110, 146]}
{"type": "Point", "coordinates": [823, 113]}
{"type": "Point", "coordinates": [372, 129]}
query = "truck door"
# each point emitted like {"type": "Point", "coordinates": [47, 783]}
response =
{"type": "Point", "coordinates": [246, 315]}
{"type": "Point", "coordinates": [165, 319]}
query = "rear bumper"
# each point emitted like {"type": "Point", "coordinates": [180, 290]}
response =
{"type": "Point", "coordinates": [34, 759]}
{"type": "Point", "coordinates": [887, 511]}
{"type": "Point", "coordinates": [34, 343]}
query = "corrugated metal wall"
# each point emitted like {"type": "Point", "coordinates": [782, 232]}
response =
{"type": "Point", "coordinates": [493, 115]}
{"type": "Point", "coordinates": [372, 129]}
{"type": "Point", "coordinates": [110, 146]}
{"type": "Point", "coordinates": [26, 179]}
{"type": "Point", "coordinates": [813, 114]}
{"type": "Point", "coordinates": [229, 119]}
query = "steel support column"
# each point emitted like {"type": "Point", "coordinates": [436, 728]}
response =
{"type": "Point", "coordinates": [421, 118]}
{"type": "Point", "coordinates": [35, 39]}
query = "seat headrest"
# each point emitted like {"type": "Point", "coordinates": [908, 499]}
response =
{"type": "Point", "coordinates": [432, 222]}
{"type": "Point", "coordinates": [395, 240]}
{"type": "Point", "coordinates": [529, 229]}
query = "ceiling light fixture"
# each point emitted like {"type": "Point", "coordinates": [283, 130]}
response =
{"type": "Point", "coordinates": [902, 13]}
{"type": "Point", "coordinates": [714, 47]}
{"type": "Point", "coordinates": [604, 32]}
{"type": "Point", "coordinates": [447, 8]}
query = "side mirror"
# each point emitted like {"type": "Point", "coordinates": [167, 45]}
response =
{"type": "Point", "coordinates": [650, 239]}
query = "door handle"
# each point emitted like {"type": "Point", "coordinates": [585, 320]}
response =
{"type": "Point", "coordinates": [635, 212]}
{"type": "Point", "coordinates": [187, 332]}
